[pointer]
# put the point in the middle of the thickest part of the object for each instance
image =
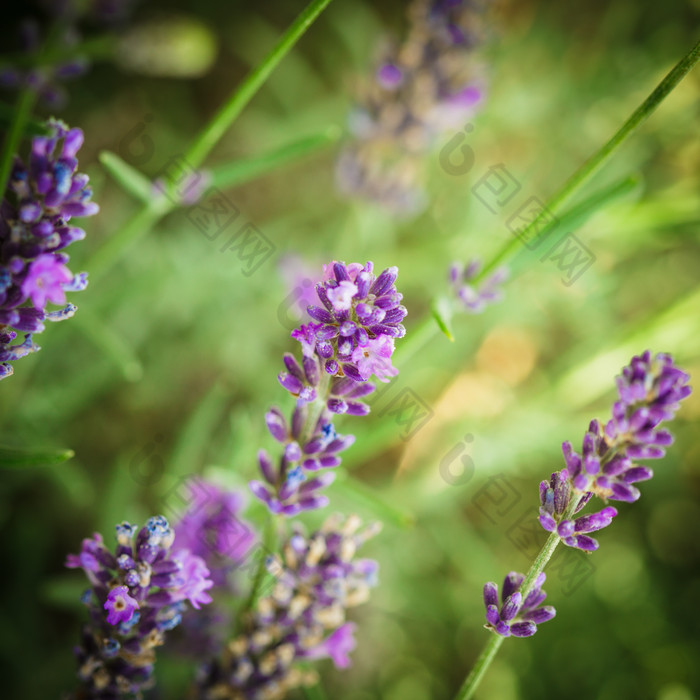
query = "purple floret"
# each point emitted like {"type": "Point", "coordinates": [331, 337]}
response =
{"type": "Point", "coordinates": [516, 617]}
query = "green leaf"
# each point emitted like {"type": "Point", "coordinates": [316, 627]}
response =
{"type": "Point", "coordinates": [133, 181]}
{"type": "Point", "coordinates": [15, 458]}
{"type": "Point", "coordinates": [442, 313]}
{"type": "Point", "coordinates": [240, 171]}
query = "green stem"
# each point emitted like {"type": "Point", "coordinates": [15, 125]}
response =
{"type": "Point", "coordinates": [480, 667]}
{"type": "Point", "coordinates": [240, 171]}
{"type": "Point", "coordinates": [25, 102]}
{"type": "Point", "coordinates": [226, 115]}
{"type": "Point", "coordinates": [269, 543]}
{"type": "Point", "coordinates": [494, 644]}
{"type": "Point", "coordinates": [595, 162]}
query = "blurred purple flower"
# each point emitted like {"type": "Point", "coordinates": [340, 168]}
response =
{"type": "Point", "coordinates": [318, 578]}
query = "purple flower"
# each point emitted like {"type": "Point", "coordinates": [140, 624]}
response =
{"type": "Point", "coordinates": [317, 579]}
{"type": "Point", "coordinates": [474, 299]}
{"type": "Point", "coordinates": [294, 485]}
{"type": "Point", "coordinates": [350, 339]}
{"type": "Point", "coordinates": [195, 579]}
{"type": "Point", "coordinates": [44, 281]}
{"type": "Point", "coordinates": [337, 646]}
{"type": "Point", "coordinates": [211, 529]}
{"type": "Point", "coordinates": [516, 616]}
{"type": "Point", "coordinates": [137, 593]}
{"type": "Point", "coordinates": [555, 496]}
{"type": "Point", "coordinates": [375, 358]}
{"type": "Point", "coordinates": [358, 309]}
{"type": "Point", "coordinates": [120, 606]}
{"type": "Point", "coordinates": [34, 232]}
{"type": "Point", "coordinates": [650, 391]}
{"type": "Point", "coordinates": [45, 79]}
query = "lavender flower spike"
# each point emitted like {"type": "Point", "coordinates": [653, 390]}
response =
{"type": "Point", "coordinates": [349, 340]}
{"type": "Point", "coordinates": [35, 213]}
{"type": "Point", "coordinates": [516, 616]}
{"type": "Point", "coordinates": [650, 391]}
{"type": "Point", "coordinates": [137, 593]}
{"type": "Point", "coordinates": [318, 579]}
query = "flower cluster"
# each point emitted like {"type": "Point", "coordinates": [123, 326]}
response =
{"type": "Point", "coordinates": [427, 85]}
{"type": "Point", "coordinates": [555, 496]}
{"type": "Point", "coordinates": [288, 490]}
{"type": "Point", "coordinates": [516, 616]}
{"type": "Point", "coordinates": [474, 299]}
{"type": "Point", "coordinates": [650, 390]}
{"type": "Point", "coordinates": [42, 199]}
{"type": "Point", "coordinates": [349, 340]}
{"type": "Point", "coordinates": [360, 317]}
{"type": "Point", "coordinates": [317, 579]}
{"type": "Point", "coordinates": [211, 528]}
{"type": "Point", "coordinates": [137, 593]}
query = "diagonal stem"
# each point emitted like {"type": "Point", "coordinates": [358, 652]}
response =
{"type": "Point", "coordinates": [212, 133]}
{"type": "Point", "coordinates": [598, 159]}
{"type": "Point", "coordinates": [494, 644]}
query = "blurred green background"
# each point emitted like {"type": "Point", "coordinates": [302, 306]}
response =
{"type": "Point", "coordinates": [172, 357]}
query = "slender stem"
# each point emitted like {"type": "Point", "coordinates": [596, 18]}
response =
{"type": "Point", "coordinates": [239, 171]}
{"type": "Point", "coordinates": [223, 119]}
{"type": "Point", "coordinates": [493, 645]}
{"type": "Point", "coordinates": [482, 663]}
{"type": "Point", "coordinates": [268, 543]}
{"type": "Point", "coordinates": [597, 160]}
{"type": "Point", "coordinates": [23, 110]}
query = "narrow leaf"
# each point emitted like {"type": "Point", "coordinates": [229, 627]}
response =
{"type": "Point", "coordinates": [15, 458]}
{"type": "Point", "coordinates": [133, 181]}
{"type": "Point", "coordinates": [240, 171]}
{"type": "Point", "coordinates": [442, 313]}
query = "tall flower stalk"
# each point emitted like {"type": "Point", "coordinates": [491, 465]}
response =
{"type": "Point", "coordinates": [36, 217]}
{"type": "Point", "coordinates": [650, 390]}
{"type": "Point", "coordinates": [349, 340]}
